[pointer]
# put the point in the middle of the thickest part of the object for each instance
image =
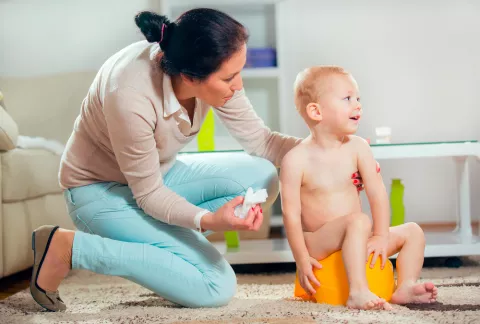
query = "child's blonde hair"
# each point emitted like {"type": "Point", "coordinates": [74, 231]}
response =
{"type": "Point", "coordinates": [311, 83]}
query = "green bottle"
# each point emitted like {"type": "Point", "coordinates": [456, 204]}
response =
{"type": "Point", "coordinates": [206, 142]}
{"type": "Point", "coordinates": [232, 239]}
{"type": "Point", "coordinates": [206, 135]}
{"type": "Point", "coordinates": [396, 203]}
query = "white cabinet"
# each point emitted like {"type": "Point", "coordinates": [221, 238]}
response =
{"type": "Point", "coordinates": [262, 85]}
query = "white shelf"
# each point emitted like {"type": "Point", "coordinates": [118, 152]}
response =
{"type": "Point", "coordinates": [260, 73]}
{"type": "Point", "coordinates": [426, 150]}
{"type": "Point", "coordinates": [196, 3]}
{"type": "Point", "coordinates": [223, 143]}
{"type": "Point", "coordinates": [439, 244]}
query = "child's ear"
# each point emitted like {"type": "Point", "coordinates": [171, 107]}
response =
{"type": "Point", "coordinates": [314, 112]}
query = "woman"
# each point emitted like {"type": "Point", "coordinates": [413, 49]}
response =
{"type": "Point", "coordinates": [140, 211]}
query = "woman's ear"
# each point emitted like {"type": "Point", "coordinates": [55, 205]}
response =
{"type": "Point", "coordinates": [314, 112]}
{"type": "Point", "coordinates": [187, 79]}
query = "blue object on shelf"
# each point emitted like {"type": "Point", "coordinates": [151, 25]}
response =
{"type": "Point", "coordinates": [261, 57]}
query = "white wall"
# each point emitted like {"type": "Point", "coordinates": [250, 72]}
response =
{"type": "Point", "coordinates": [54, 36]}
{"type": "Point", "coordinates": [417, 64]}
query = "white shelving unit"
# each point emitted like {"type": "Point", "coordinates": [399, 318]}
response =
{"type": "Point", "coordinates": [262, 85]}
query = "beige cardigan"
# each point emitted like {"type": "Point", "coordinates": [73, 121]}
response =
{"type": "Point", "coordinates": [124, 134]}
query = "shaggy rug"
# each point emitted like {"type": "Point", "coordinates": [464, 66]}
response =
{"type": "Point", "coordinates": [261, 298]}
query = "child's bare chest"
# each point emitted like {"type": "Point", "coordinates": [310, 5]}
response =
{"type": "Point", "coordinates": [329, 173]}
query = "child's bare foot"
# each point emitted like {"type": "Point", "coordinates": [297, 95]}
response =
{"type": "Point", "coordinates": [418, 293]}
{"type": "Point", "coordinates": [366, 300]}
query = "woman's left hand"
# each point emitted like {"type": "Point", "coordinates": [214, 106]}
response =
{"type": "Point", "coordinates": [357, 179]}
{"type": "Point", "coordinates": [258, 218]}
{"type": "Point", "coordinates": [224, 219]}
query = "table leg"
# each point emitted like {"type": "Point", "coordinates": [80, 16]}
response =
{"type": "Point", "coordinates": [464, 224]}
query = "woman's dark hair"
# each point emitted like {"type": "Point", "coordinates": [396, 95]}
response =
{"type": "Point", "coordinates": [197, 43]}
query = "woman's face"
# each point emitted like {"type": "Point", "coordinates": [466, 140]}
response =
{"type": "Point", "coordinates": [220, 86]}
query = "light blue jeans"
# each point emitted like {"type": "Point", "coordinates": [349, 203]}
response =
{"type": "Point", "coordinates": [115, 237]}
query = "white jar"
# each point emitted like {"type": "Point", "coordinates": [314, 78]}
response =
{"type": "Point", "coordinates": [384, 135]}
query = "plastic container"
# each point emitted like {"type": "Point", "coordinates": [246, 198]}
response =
{"type": "Point", "coordinates": [261, 57]}
{"type": "Point", "coordinates": [334, 288]}
{"type": "Point", "coordinates": [206, 142]}
{"type": "Point", "coordinates": [232, 239]}
{"type": "Point", "coordinates": [396, 203]}
{"type": "Point", "coordinates": [206, 135]}
{"type": "Point", "coordinates": [384, 135]}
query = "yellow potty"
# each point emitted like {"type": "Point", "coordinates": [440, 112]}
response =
{"type": "Point", "coordinates": [333, 288]}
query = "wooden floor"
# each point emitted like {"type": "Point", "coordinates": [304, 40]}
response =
{"type": "Point", "coordinates": [20, 281]}
{"type": "Point", "coordinates": [14, 283]}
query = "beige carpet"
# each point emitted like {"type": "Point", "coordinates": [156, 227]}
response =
{"type": "Point", "coordinates": [93, 298]}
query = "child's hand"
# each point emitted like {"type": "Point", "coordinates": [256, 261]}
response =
{"type": "Point", "coordinates": [377, 245]}
{"type": "Point", "coordinates": [306, 276]}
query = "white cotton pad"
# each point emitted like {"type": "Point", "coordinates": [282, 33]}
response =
{"type": "Point", "coordinates": [251, 199]}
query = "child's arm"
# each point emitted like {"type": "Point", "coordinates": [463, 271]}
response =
{"type": "Point", "coordinates": [290, 182]}
{"type": "Point", "coordinates": [376, 193]}
{"type": "Point", "coordinates": [291, 174]}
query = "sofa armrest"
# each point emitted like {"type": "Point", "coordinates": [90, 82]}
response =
{"type": "Point", "coordinates": [8, 131]}
{"type": "Point", "coordinates": [29, 173]}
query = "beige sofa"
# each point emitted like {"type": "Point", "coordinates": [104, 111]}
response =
{"type": "Point", "coordinates": [30, 195]}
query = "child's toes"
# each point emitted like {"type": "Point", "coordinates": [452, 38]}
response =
{"type": "Point", "coordinates": [387, 306]}
{"type": "Point", "coordinates": [379, 303]}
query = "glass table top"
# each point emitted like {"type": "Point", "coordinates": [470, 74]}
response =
{"type": "Point", "coordinates": [425, 143]}
{"type": "Point", "coordinates": [372, 145]}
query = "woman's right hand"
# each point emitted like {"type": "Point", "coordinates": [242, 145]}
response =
{"type": "Point", "coordinates": [306, 276]}
{"type": "Point", "coordinates": [224, 218]}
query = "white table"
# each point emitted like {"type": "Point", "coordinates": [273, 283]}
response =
{"type": "Point", "coordinates": [460, 242]}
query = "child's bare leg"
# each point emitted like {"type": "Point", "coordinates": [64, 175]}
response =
{"type": "Point", "coordinates": [408, 239]}
{"type": "Point", "coordinates": [349, 233]}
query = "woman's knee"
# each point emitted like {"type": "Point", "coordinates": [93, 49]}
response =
{"type": "Point", "coordinates": [226, 286]}
{"type": "Point", "coordinates": [263, 175]}
{"type": "Point", "coordinates": [246, 171]}
{"type": "Point", "coordinates": [223, 286]}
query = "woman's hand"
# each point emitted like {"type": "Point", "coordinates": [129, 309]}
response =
{"type": "Point", "coordinates": [224, 218]}
{"type": "Point", "coordinates": [357, 179]}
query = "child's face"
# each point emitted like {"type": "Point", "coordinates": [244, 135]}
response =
{"type": "Point", "coordinates": [340, 105]}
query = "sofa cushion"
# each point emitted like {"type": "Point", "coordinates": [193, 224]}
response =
{"type": "Point", "coordinates": [1, 101]}
{"type": "Point", "coordinates": [8, 131]}
{"type": "Point", "coordinates": [29, 173]}
{"type": "Point", "coordinates": [8, 128]}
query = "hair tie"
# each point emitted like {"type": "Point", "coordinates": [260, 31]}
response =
{"type": "Point", "coordinates": [163, 29]}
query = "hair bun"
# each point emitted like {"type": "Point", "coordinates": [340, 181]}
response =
{"type": "Point", "coordinates": [152, 26]}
